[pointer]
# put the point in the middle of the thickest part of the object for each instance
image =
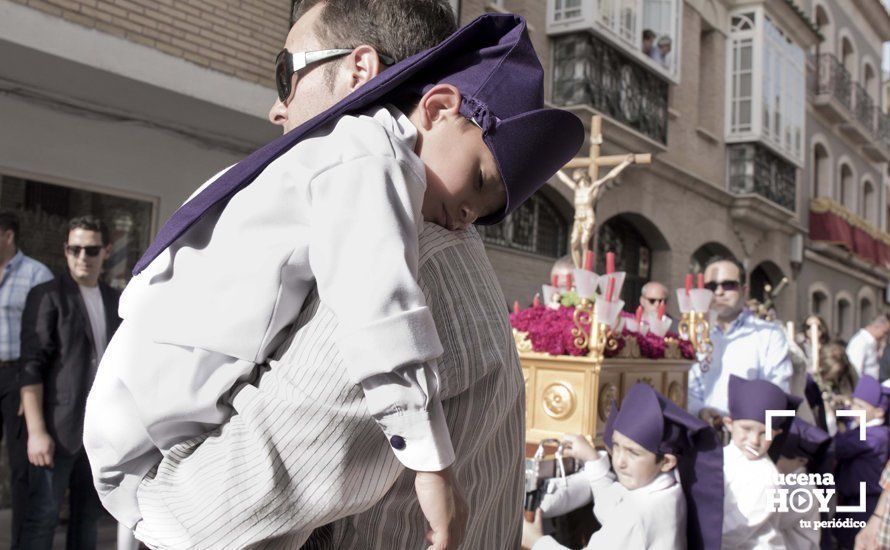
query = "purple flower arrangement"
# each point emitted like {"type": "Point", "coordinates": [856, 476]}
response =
{"type": "Point", "coordinates": [550, 331]}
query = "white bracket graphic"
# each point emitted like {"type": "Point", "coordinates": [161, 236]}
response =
{"type": "Point", "coordinates": [861, 506]}
{"type": "Point", "coordinates": [772, 413]}
{"type": "Point", "coordinates": [860, 414]}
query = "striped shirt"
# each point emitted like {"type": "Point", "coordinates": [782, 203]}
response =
{"type": "Point", "coordinates": [883, 534]}
{"type": "Point", "coordinates": [301, 450]}
{"type": "Point", "coordinates": [20, 276]}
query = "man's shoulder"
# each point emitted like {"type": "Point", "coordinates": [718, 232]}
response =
{"type": "Point", "coordinates": [434, 239]}
{"type": "Point", "coordinates": [370, 134]}
{"type": "Point", "coordinates": [50, 287]}
{"type": "Point", "coordinates": [34, 266]}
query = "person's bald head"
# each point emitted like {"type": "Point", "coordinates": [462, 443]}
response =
{"type": "Point", "coordinates": [880, 326]}
{"type": "Point", "coordinates": [653, 295]}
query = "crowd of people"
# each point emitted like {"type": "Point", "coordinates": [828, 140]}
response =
{"type": "Point", "coordinates": [838, 433]}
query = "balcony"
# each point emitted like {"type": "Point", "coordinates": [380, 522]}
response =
{"type": "Point", "coordinates": [590, 71]}
{"type": "Point", "coordinates": [832, 88]}
{"type": "Point", "coordinates": [755, 169]}
{"type": "Point", "coordinates": [837, 227]}
{"type": "Point", "coordinates": [842, 101]}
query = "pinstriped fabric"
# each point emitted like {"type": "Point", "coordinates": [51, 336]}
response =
{"type": "Point", "coordinates": [302, 452]}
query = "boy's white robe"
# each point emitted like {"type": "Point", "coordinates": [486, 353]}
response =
{"type": "Point", "coordinates": [748, 521]}
{"type": "Point", "coordinates": [342, 210]}
{"type": "Point", "coordinates": [652, 517]}
{"type": "Point", "coordinates": [795, 536]}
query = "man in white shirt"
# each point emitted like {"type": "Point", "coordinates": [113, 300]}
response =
{"type": "Point", "coordinates": [743, 345]}
{"type": "Point", "coordinates": [862, 351]}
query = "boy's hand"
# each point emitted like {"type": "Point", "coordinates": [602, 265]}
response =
{"type": "Point", "coordinates": [444, 507]}
{"type": "Point", "coordinates": [712, 416]}
{"type": "Point", "coordinates": [532, 532]}
{"type": "Point", "coordinates": [580, 448]}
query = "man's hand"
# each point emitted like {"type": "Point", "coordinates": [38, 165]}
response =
{"type": "Point", "coordinates": [444, 507]}
{"type": "Point", "coordinates": [532, 532]}
{"type": "Point", "coordinates": [711, 416]}
{"type": "Point", "coordinates": [40, 449]}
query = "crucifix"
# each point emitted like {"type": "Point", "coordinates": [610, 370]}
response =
{"type": "Point", "coordinates": [588, 186]}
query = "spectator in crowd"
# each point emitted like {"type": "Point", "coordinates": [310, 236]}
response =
{"type": "Point", "coordinates": [863, 347]}
{"type": "Point", "coordinates": [652, 296]}
{"type": "Point", "coordinates": [648, 41]}
{"type": "Point", "coordinates": [836, 379]}
{"type": "Point", "coordinates": [18, 275]}
{"type": "Point", "coordinates": [876, 534]}
{"type": "Point", "coordinates": [744, 345]}
{"type": "Point", "coordinates": [664, 46]}
{"type": "Point", "coordinates": [66, 325]}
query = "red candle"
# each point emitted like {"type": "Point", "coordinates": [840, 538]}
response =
{"type": "Point", "coordinates": [688, 283]}
{"type": "Point", "coordinates": [537, 301]}
{"type": "Point", "coordinates": [516, 306]}
{"type": "Point", "coordinates": [610, 263]}
{"type": "Point", "coordinates": [639, 314]}
{"type": "Point", "coordinates": [610, 290]}
{"type": "Point", "coordinates": [569, 281]}
{"type": "Point", "coordinates": [588, 260]}
{"type": "Point", "coordinates": [660, 311]}
{"type": "Point", "coordinates": [554, 280]}
{"type": "Point", "coordinates": [701, 280]}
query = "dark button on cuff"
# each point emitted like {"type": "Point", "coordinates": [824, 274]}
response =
{"type": "Point", "coordinates": [397, 442]}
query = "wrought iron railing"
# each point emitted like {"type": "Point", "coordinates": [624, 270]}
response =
{"type": "Point", "coordinates": [865, 109]}
{"type": "Point", "coordinates": [589, 71]}
{"type": "Point", "coordinates": [753, 168]}
{"type": "Point", "coordinates": [883, 127]}
{"type": "Point", "coordinates": [833, 79]}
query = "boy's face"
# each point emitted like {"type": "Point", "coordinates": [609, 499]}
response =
{"type": "Point", "coordinates": [871, 412]}
{"type": "Point", "coordinates": [463, 180]}
{"type": "Point", "coordinates": [749, 436]}
{"type": "Point", "coordinates": [634, 465]}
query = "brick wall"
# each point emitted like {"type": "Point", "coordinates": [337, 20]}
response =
{"type": "Point", "coordinates": [235, 37]}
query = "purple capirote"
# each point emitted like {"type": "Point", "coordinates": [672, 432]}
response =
{"type": "Point", "coordinates": [493, 64]}
{"type": "Point", "coordinates": [657, 424]}
{"type": "Point", "coordinates": [751, 399]}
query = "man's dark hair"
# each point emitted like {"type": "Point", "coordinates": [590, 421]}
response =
{"type": "Point", "coordinates": [648, 34]}
{"type": "Point", "coordinates": [731, 259]}
{"type": "Point", "coordinates": [10, 222]}
{"type": "Point", "coordinates": [90, 223]}
{"type": "Point", "coordinates": [397, 28]}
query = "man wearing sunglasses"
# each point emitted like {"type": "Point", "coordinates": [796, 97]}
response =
{"type": "Point", "coordinates": [744, 345]}
{"type": "Point", "coordinates": [67, 323]}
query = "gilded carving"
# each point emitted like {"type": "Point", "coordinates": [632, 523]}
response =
{"type": "Point", "coordinates": [559, 400]}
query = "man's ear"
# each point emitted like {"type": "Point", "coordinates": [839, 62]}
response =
{"type": "Point", "coordinates": [441, 102]}
{"type": "Point", "coordinates": [362, 65]}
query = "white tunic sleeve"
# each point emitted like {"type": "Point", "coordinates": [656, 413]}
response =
{"type": "Point", "coordinates": [364, 254]}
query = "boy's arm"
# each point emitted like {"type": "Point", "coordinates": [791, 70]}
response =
{"type": "Point", "coordinates": [363, 251]}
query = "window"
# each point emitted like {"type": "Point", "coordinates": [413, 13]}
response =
{"type": "Point", "coordinates": [869, 207]}
{"type": "Point", "coordinates": [866, 312]}
{"type": "Point", "coordinates": [847, 192]}
{"type": "Point", "coordinates": [821, 171]}
{"type": "Point", "coordinates": [844, 318]}
{"type": "Point", "coordinates": [566, 9]}
{"type": "Point", "coordinates": [536, 227]}
{"type": "Point", "coordinates": [646, 29]}
{"type": "Point", "coordinates": [708, 71]}
{"type": "Point", "coordinates": [44, 210]}
{"type": "Point", "coordinates": [818, 303]}
{"type": "Point", "coordinates": [761, 52]}
{"type": "Point", "coordinates": [632, 255]}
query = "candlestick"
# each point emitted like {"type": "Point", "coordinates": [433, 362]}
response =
{"type": "Point", "coordinates": [660, 311]}
{"type": "Point", "coordinates": [610, 290]}
{"type": "Point", "coordinates": [588, 260]}
{"type": "Point", "coordinates": [537, 301]}
{"type": "Point", "coordinates": [701, 280]}
{"type": "Point", "coordinates": [688, 284]}
{"type": "Point", "coordinates": [516, 306]}
{"type": "Point", "coordinates": [569, 281]}
{"type": "Point", "coordinates": [639, 315]}
{"type": "Point", "coordinates": [610, 263]}
{"type": "Point", "coordinates": [554, 280]}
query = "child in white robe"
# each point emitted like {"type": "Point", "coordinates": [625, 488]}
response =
{"type": "Point", "coordinates": [642, 503]}
{"type": "Point", "coordinates": [750, 477]}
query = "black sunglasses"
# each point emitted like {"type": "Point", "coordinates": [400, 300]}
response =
{"type": "Point", "coordinates": [74, 250]}
{"type": "Point", "coordinates": [287, 63]}
{"type": "Point", "coordinates": [654, 301]}
{"type": "Point", "coordinates": [727, 286]}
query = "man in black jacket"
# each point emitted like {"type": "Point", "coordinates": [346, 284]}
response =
{"type": "Point", "coordinates": [66, 325]}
